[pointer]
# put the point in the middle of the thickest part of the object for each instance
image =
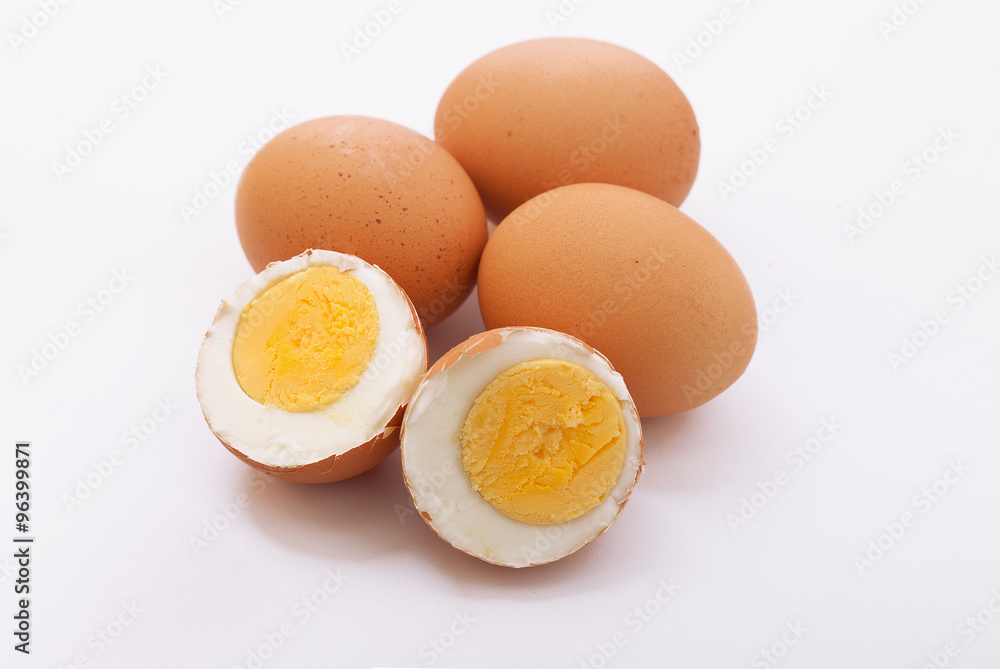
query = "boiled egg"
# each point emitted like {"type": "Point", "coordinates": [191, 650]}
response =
{"type": "Point", "coordinates": [307, 367]}
{"type": "Point", "coordinates": [520, 446]}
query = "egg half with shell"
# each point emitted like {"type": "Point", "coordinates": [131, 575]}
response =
{"type": "Point", "coordinates": [307, 367]}
{"type": "Point", "coordinates": [520, 446]}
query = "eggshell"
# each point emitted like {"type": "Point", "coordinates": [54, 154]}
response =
{"type": "Point", "coordinates": [633, 277]}
{"type": "Point", "coordinates": [369, 188]}
{"type": "Point", "coordinates": [480, 343]}
{"type": "Point", "coordinates": [549, 112]}
{"type": "Point", "coordinates": [336, 467]}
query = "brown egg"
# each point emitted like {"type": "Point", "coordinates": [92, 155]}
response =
{"type": "Point", "coordinates": [631, 276]}
{"type": "Point", "coordinates": [545, 113]}
{"type": "Point", "coordinates": [369, 188]}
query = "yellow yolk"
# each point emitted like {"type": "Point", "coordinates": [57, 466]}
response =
{"type": "Point", "coordinates": [306, 340]}
{"type": "Point", "coordinates": [544, 442]}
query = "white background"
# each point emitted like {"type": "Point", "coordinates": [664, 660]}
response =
{"type": "Point", "coordinates": [846, 303]}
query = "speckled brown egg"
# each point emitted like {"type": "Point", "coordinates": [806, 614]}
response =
{"type": "Point", "coordinates": [631, 276]}
{"type": "Point", "coordinates": [369, 188]}
{"type": "Point", "coordinates": [544, 113]}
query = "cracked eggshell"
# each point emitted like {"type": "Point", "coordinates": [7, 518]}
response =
{"type": "Point", "coordinates": [431, 450]}
{"type": "Point", "coordinates": [318, 446]}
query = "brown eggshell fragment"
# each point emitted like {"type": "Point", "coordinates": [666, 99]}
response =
{"type": "Point", "coordinates": [549, 112]}
{"type": "Point", "coordinates": [633, 277]}
{"type": "Point", "coordinates": [482, 341]}
{"type": "Point", "coordinates": [369, 188]}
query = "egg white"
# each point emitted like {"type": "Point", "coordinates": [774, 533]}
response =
{"type": "Point", "coordinates": [279, 438]}
{"type": "Point", "coordinates": [432, 455]}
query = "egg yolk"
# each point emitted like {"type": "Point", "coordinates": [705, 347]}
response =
{"type": "Point", "coordinates": [306, 340]}
{"type": "Point", "coordinates": [544, 442]}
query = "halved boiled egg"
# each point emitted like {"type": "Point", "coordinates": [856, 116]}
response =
{"type": "Point", "coordinates": [307, 367]}
{"type": "Point", "coordinates": [520, 446]}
